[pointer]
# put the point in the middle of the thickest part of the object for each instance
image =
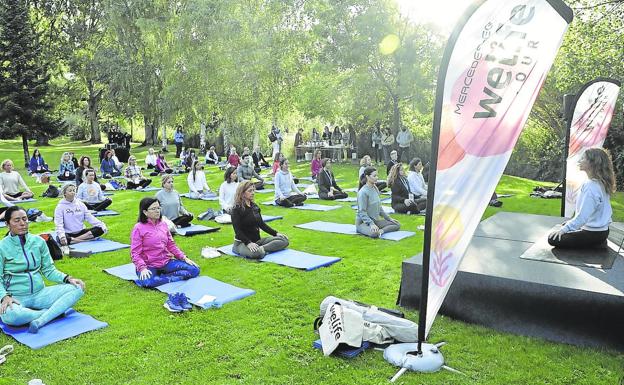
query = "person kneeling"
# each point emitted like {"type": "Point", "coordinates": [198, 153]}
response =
{"type": "Point", "coordinates": [371, 219]}
{"type": "Point", "coordinates": [69, 216]}
{"type": "Point", "coordinates": [151, 246]}
{"type": "Point", "coordinates": [403, 199]}
{"type": "Point", "coordinates": [24, 262]}
{"type": "Point", "coordinates": [91, 194]}
{"type": "Point", "coordinates": [247, 220]}
{"type": "Point", "coordinates": [328, 189]}
{"type": "Point", "coordinates": [590, 226]}
{"type": "Point", "coordinates": [286, 192]}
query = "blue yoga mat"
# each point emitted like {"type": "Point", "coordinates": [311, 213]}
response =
{"type": "Point", "coordinates": [107, 193]}
{"type": "Point", "coordinates": [350, 189]}
{"type": "Point", "coordinates": [105, 213]}
{"type": "Point", "coordinates": [70, 325]}
{"type": "Point", "coordinates": [148, 189]}
{"type": "Point", "coordinates": [3, 224]}
{"type": "Point", "coordinates": [196, 288]}
{"type": "Point", "coordinates": [213, 197]}
{"type": "Point", "coordinates": [347, 199]}
{"type": "Point", "coordinates": [269, 218]}
{"type": "Point", "coordinates": [345, 228]}
{"type": "Point", "coordinates": [344, 351]}
{"type": "Point", "coordinates": [291, 258]}
{"type": "Point", "coordinates": [306, 206]}
{"type": "Point", "coordinates": [265, 190]}
{"type": "Point", "coordinates": [25, 201]}
{"type": "Point", "coordinates": [195, 229]}
{"type": "Point", "coordinates": [100, 245]}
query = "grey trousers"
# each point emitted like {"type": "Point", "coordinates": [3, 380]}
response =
{"type": "Point", "coordinates": [269, 244]}
{"type": "Point", "coordinates": [383, 224]}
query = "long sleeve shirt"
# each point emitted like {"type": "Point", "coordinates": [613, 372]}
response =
{"type": "Point", "coordinates": [161, 165]}
{"type": "Point", "coordinates": [247, 222]}
{"type": "Point", "coordinates": [285, 185]}
{"type": "Point", "coordinates": [212, 157]}
{"type": "Point", "coordinates": [133, 173]}
{"type": "Point", "coordinates": [593, 209]}
{"type": "Point", "coordinates": [315, 166]}
{"type": "Point", "coordinates": [108, 166]}
{"type": "Point", "coordinates": [37, 164]}
{"type": "Point", "coordinates": [369, 206]}
{"type": "Point", "coordinates": [90, 192]}
{"type": "Point", "coordinates": [197, 183]}
{"type": "Point", "coordinates": [247, 172]}
{"type": "Point", "coordinates": [387, 140]}
{"type": "Point", "coordinates": [151, 244]}
{"type": "Point", "coordinates": [170, 204]}
{"type": "Point", "coordinates": [66, 167]}
{"type": "Point", "coordinates": [11, 182]}
{"type": "Point", "coordinates": [400, 191]}
{"type": "Point", "coordinates": [417, 183]}
{"type": "Point", "coordinates": [404, 138]}
{"type": "Point", "coordinates": [326, 181]}
{"type": "Point", "coordinates": [150, 160]}
{"type": "Point", "coordinates": [178, 137]}
{"type": "Point", "coordinates": [227, 192]}
{"type": "Point", "coordinates": [24, 261]}
{"type": "Point", "coordinates": [69, 217]}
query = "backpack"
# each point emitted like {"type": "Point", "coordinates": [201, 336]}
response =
{"type": "Point", "coordinates": [53, 247]}
{"type": "Point", "coordinates": [272, 137]}
{"type": "Point", "coordinates": [51, 192]}
{"type": "Point", "coordinates": [33, 214]}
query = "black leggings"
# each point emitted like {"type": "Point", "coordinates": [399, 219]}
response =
{"type": "Point", "coordinates": [143, 183]}
{"type": "Point", "coordinates": [183, 220]}
{"type": "Point", "coordinates": [413, 208]}
{"type": "Point", "coordinates": [377, 153]}
{"type": "Point", "coordinates": [95, 231]}
{"type": "Point", "coordinates": [99, 206]}
{"type": "Point", "coordinates": [70, 176]}
{"type": "Point", "coordinates": [293, 200]}
{"type": "Point", "coordinates": [581, 239]}
{"type": "Point", "coordinates": [337, 195]}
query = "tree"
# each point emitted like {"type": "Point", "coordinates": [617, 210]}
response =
{"type": "Point", "coordinates": [24, 106]}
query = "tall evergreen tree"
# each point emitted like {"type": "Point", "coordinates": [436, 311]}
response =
{"type": "Point", "coordinates": [24, 108]}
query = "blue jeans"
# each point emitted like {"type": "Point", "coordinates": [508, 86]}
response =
{"type": "Point", "coordinates": [43, 306]}
{"type": "Point", "coordinates": [175, 270]}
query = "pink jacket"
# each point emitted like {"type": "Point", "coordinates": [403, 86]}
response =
{"type": "Point", "coordinates": [151, 245]}
{"type": "Point", "coordinates": [315, 167]}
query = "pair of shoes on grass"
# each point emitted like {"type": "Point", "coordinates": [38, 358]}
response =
{"type": "Point", "coordinates": [5, 351]}
{"type": "Point", "coordinates": [177, 302]}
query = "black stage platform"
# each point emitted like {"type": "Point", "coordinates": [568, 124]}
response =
{"type": "Point", "coordinates": [498, 287]}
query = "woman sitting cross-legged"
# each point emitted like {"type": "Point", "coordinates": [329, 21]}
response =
{"type": "Point", "coordinates": [37, 165]}
{"type": "Point", "coordinates": [69, 217]}
{"type": "Point", "coordinates": [150, 159]}
{"type": "Point", "coordinates": [11, 181]}
{"type": "Point", "coordinates": [108, 167]}
{"type": "Point", "coordinates": [85, 164]}
{"type": "Point", "coordinates": [171, 204]}
{"type": "Point", "coordinates": [589, 228]}
{"type": "Point", "coordinates": [247, 222]}
{"type": "Point", "coordinates": [371, 220]}
{"type": "Point", "coordinates": [403, 199]}
{"type": "Point", "coordinates": [367, 162]}
{"type": "Point", "coordinates": [67, 171]}
{"type": "Point", "coordinates": [134, 176]}
{"type": "Point", "coordinates": [90, 193]}
{"type": "Point", "coordinates": [161, 165]}
{"type": "Point", "coordinates": [227, 190]}
{"type": "Point", "coordinates": [152, 249]}
{"type": "Point", "coordinates": [415, 178]}
{"type": "Point", "coordinates": [286, 192]}
{"type": "Point", "coordinates": [198, 187]}
{"type": "Point", "coordinates": [24, 262]}
{"type": "Point", "coordinates": [328, 189]}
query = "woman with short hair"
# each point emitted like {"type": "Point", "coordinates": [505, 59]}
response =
{"type": "Point", "coordinates": [371, 220]}
{"type": "Point", "coordinates": [69, 217]}
{"type": "Point", "coordinates": [24, 261]}
{"type": "Point", "coordinates": [328, 189]}
{"type": "Point", "coordinates": [156, 257]}
{"type": "Point", "coordinates": [590, 225]}
{"type": "Point", "coordinates": [247, 222]}
{"type": "Point", "coordinates": [286, 192]}
{"type": "Point", "coordinates": [404, 200]}
{"type": "Point", "coordinates": [91, 194]}
{"type": "Point", "coordinates": [227, 190]}
{"type": "Point", "coordinates": [171, 204]}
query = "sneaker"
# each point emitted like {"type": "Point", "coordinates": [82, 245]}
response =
{"type": "Point", "coordinates": [172, 304]}
{"type": "Point", "coordinates": [65, 250]}
{"type": "Point", "coordinates": [183, 301]}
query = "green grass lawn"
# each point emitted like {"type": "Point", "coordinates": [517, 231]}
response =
{"type": "Point", "coordinates": [267, 338]}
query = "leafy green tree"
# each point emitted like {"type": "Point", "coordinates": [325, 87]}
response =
{"type": "Point", "coordinates": [24, 101]}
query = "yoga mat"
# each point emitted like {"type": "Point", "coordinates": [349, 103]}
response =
{"type": "Point", "coordinates": [306, 206]}
{"type": "Point", "coordinates": [107, 193]}
{"type": "Point", "coordinates": [206, 292]}
{"type": "Point", "coordinates": [104, 213]}
{"type": "Point", "coordinates": [269, 182]}
{"type": "Point", "coordinates": [203, 291]}
{"type": "Point", "coordinates": [351, 189]}
{"type": "Point", "coordinates": [265, 190]}
{"type": "Point", "coordinates": [386, 209]}
{"type": "Point", "coordinates": [213, 197]}
{"type": "Point", "coordinates": [347, 199]}
{"type": "Point", "coordinates": [291, 258]}
{"type": "Point", "coordinates": [99, 245]}
{"type": "Point", "coordinates": [269, 218]}
{"type": "Point", "coordinates": [345, 228]}
{"type": "Point", "coordinates": [3, 224]}
{"type": "Point", "coordinates": [24, 201]}
{"type": "Point", "coordinates": [344, 350]}
{"type": "Point", "coordinates": [195, 229]}
{"type": "Point", "coordinates": [70, 325]}
{"type": "Point", "coordinates": [148, 189]}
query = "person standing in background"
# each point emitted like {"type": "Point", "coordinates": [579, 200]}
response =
{"type": "Point", "coordinates": [387, 141]}
{"type": "Point", "coordinates": [376, 143]}
{"type": "Point", "coordinates": [404, 139]}
{"type": "Point", "coordinates": [178, 139]}
{"type": "Point", "coordinates": [298, 142]}
{"type": "Point", "coordinates": [346, 143]}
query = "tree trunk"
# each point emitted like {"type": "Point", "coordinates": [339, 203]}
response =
{"type": "Point", "coordinates": [256, 137]}
{"type": "Point", "coordinates": [42, 140]}
{"type": "Point", "coordinates": [396, 115]}
{"type": "Point", "coordinates": [131, 129]}
{"type": "Point", "coordinates": [92, 111]}
{"type": "Point", "coordinates": [25, 146]}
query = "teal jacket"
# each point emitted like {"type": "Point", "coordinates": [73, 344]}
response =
{"type": "Point", "coordinates": [22, 267]}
